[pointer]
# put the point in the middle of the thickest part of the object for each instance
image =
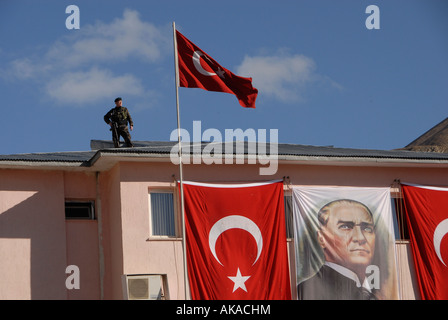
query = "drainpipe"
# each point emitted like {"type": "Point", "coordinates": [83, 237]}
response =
{"type": "Point", "coordinates": [100, 235]}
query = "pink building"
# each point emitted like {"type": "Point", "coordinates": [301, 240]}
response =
{"type": "Point", "coordinates": [105, 224]}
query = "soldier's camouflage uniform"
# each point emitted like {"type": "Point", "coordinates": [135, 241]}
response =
{"type": "Point", "coordinates": [120, 117]}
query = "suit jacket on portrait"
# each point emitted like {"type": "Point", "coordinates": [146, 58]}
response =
{"type": "Point", "coordinates": [328, 284]}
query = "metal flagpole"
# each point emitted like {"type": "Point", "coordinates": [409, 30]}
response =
{"type": "Point", "coordinates": [184, 245]}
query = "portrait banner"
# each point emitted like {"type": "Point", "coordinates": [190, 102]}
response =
{"type": "Point", "coordinates": [236, 241]}
{"type": "Point", "coordinates": [427, 220]}
{"type": "Point", "coordinates": [344, 243]}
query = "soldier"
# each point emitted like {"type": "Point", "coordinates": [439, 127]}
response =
{"type": "Point", "coordinates": [118, 118]}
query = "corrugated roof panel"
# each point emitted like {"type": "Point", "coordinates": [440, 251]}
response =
{"type": "Point", "coordinates": [85, 158]}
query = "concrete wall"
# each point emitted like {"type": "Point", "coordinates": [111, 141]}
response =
{"type": "Point", "coordinates": [37, 243]}
{"type": "Point", "coordinates": [82, 237]}
{"type": "Point", "coordinates": [111, 237]}
{"type": "Point", "coordinates": [33, 246]}
{"type": "Point", "coordinates": [145, 255]}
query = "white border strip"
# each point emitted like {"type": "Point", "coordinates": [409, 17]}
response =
{"type": "Point", "coordinates": [425, 187]}
{"type": "Point", "coordinates": [220, 185]}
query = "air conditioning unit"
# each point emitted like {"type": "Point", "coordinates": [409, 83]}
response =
{"type": "Point", "coordinates": [144, 287]}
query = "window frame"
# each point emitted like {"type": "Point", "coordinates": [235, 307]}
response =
{"type": "Point", "coordinates": [175, 213]}
{"type": "Point", "coordinates": [88, 204]}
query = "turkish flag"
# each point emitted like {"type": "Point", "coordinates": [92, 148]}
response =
{"type": "Point", "coordinates": [236, 241]}
{"type": "Point", "coordinates": [198, 70]}
{"type": "Point", "coordinates": [427, 219]}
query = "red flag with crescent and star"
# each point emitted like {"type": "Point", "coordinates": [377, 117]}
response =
{"type": "Point", "coordinates": [427, 218]}
{"type": "Point", "coordinates": [236, 241]}
{"type": "Point", "coordinates": [198, 70]}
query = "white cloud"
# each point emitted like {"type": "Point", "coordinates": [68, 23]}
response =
{"type": "Point", "coordinates": [122, 39]}
{"type": "Point", "coordinates": [78, 88]}
{"type": "Point", "coordinates": [23, 68]}
{"type": "Point", "coordinates": [75, 70]}
{"type": "Point", "coordinates": [282, 76]}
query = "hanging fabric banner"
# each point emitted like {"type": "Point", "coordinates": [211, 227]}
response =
{"type": "Point", "coordinates": [345, 243]}
{"type": "Point", "coordinates": [427, 219]}
{"type": "Point", "coordinates": [236, 241]}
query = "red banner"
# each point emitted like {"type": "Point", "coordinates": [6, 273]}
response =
{"type": "Point", "coordinates": [198, 70]}
{"type": "Point", "coordinates": [236, 242]}
{"type": "Point", "coordinates": [427, 219]}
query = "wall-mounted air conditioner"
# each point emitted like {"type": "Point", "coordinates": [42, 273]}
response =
{"type": "Point", "coordinates": [144, 287]}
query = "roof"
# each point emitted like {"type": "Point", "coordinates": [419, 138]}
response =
{"type": "Point", "coordinates": [433, 140]}
{"type": "Point", "coordinates": [284, 149]}
{"type": "Point", "coordinates": [160, 151]}
{"type": "Point", "coordinates": [74, 157]}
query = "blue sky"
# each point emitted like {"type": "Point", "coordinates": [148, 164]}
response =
{"type": "Point", "coordinates": [323, 77]}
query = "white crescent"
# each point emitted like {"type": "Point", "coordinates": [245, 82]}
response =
{"type": "Point", "coordinates": [439, 233]}
{"type": "Point", "coordinates": [235, 222]}
{"type": "Point", "coordinates": [197, 64]}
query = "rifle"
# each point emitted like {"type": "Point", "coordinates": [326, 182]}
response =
{"type": "Point", "coordinates": [115, 136]}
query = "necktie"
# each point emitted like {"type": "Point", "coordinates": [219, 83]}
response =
{"type": "Point", "coordinates": [367, 295]}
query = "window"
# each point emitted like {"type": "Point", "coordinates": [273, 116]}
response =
{"type": "Point", "coordinates": [162, 214]}
{"type": "Point", "coordinates": [80, 210]}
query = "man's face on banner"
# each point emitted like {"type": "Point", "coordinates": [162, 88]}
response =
{"type": "Point", "coordinates": [348, 238]}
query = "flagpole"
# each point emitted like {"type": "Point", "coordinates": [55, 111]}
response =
{"type": "Point", "coordinates": [184, 245]}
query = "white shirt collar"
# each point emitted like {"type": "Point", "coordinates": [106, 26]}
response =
{"type": "Point", "coordinates": [348, 274]}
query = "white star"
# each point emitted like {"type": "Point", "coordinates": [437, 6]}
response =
{"type": "Point", "coordinates": [220, 73]}
{"type": "Point", "coordinates": [239, 281]}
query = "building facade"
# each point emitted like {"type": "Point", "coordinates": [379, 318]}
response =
{"type": "Point", "coordinates": [106, 223]}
